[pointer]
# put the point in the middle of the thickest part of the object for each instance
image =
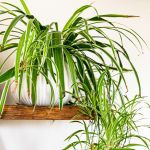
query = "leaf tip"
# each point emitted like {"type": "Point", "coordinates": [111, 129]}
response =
{"type": "Point", "coordinates": [133, 16]}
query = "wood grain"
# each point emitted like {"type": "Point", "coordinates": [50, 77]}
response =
{"type": "Point", "coordinates": [21, 112]}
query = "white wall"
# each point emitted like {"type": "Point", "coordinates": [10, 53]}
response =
{"type": "Point", "coordinates": [49, 135]}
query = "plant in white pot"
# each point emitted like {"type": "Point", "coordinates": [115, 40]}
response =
{"type": "Point", "coordinates": [33, 83]}
{"type": "Point", "coordinates": [49, 62]}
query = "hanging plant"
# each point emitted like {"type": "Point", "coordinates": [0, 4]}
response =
{"type": "Point", "coordinates": [82, 62]}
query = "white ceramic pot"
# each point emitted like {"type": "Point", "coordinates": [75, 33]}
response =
{"type": "Point", "coordinates": [43, 91]}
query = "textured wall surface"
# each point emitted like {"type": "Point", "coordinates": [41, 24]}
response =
{"type": "Point", "coordinates": [49, 135]}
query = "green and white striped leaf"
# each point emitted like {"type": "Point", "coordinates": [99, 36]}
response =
{"type": "Point", "coordinates": [10, 27]}
{"type": "Point", "coordinates": [3, 97]}
{"type": "Point", "coordinates": [18, 57]}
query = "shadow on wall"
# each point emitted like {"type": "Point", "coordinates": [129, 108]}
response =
{"type": "Point", "coordinates": [1, 144]}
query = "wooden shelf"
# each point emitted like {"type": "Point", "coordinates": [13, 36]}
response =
{"type": "Point", "coordinates": [21, 112]}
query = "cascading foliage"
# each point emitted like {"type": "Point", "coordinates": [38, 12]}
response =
{"type": "Point", "coordinates": [95, 61]}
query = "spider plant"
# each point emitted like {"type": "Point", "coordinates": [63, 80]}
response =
{"type": "Point", "coordinates": [114, 125]}
{"type": "Point", "coordinates": [97, 64]}
{"type": "Point", "coordinates": [83, 44]}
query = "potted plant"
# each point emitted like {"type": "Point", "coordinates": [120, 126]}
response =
{"type": "Point", "coordinates": [81, 61]}
{"type": "Point", "coordinates": [44, 51]}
